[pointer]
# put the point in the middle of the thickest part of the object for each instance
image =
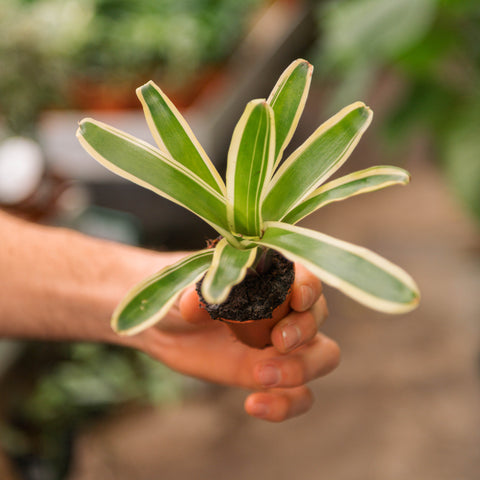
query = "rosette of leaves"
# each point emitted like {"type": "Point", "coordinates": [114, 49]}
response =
{"type": "Point", "coordinates": [255, 210]}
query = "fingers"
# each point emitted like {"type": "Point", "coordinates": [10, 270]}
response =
{"type": "Point", "coordinates": [190, 308]}
{"type": "Point", "coordinates": [306, 290]}
{"type": "Point", "coordinates": [311, 361]}
{"type": "Point", "coordinates": [279, 405]}
{"type": "Point", "coordinates": [309, 312]}
{"type": "Point", "coordinates": [299, 328]}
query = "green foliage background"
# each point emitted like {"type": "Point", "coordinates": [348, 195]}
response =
{"type": "Point", "coordinates": [433, 47]}
{"type": "Point", "coordinates": [112, 41]}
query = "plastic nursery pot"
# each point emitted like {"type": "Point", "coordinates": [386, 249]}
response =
{"type": "Point", "coordinates": [256, 333]}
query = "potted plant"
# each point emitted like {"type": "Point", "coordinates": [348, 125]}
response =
{"type": "Point", "coordinates": [255, 210]}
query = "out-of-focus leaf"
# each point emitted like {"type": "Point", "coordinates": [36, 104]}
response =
{"type": "Point", "coordinates": [461, 155]}
{"type": "Point", "coordinates": [363, 29]}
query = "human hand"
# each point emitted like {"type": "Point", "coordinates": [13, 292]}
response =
{"type": "Point", "coordinates": [74, 283]}
{"type": "Point", "coordinates": [190, 342]}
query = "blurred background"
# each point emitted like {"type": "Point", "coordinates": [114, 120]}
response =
{"type": "Point", "coordinates": [405, 401]}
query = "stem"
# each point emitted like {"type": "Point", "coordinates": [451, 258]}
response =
{"type": "Point", "coordinates": [263, 262]}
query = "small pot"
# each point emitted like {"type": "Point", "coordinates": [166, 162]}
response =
{"type": "Point", "coordinates": [257, 333]}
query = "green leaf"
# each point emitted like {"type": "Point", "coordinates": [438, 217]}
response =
{"type": "Point", "coordinates": [315, 160]}
{"type": "Point", "coordinates": [229, 267]}
{"type": "Point", "coordinates": [173, 135]}
{"type": "Point", "coordinates": [288, 99]}
{"type": "Point", "coordinates": [249, 167]}
{"type": "Point", "coordinates": [363, 181]}
{"type": "Point", "coordinates": [387, 30]}
{"type": "Point", "coordinates": [145, 165]}
{"type": "Point", "coordinates": [149, 301]}
{"type": "Point", "coordinates": [355, 271]}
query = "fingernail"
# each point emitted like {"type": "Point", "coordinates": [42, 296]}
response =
{"type": "Point", "coordinates": [291, 336]}
{"type": "Point", "coordinates": [269, 376]}
{"type": "Point", "coordinates": [260, 410]}
{"type": "Point", "coordinates": [306, 293]}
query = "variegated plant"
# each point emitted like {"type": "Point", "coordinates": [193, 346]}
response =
{"type": "Point", "coordinates": [262, 199]}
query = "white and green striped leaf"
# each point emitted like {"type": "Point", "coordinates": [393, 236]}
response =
{"type": "Point", "coordinates": [315, 160]}
{"type": "Point", "coordinates": [363, 181]}
{"type": "Point", "coordinates": [145, 165]}
{"type": "Point", "coordinates": [173, 135]}
{"type": "Point", "coordinates": [359, 273]}
{"type": "Point", "coordinates": [288, 99]}
{"type": "Point", "coordinates": [149, 301]}
{"type": "Point", "coordinates": [249, 167]}
{"type": "Point", "coordinates": [259, 203]}
{"type": "Point", "coordinates": [229, 267]}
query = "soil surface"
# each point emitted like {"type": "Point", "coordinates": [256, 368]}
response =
{"type": "Point", "coordinates": [257, 296]}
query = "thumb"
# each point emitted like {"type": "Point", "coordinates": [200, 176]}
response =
{"type": "Point", "coordinates": [190, 308]}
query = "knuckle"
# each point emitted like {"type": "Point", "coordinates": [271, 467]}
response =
{"type": "Point", "coordinates": [334, 354]}
{"type": "Point", "coordinates": [296, 373]}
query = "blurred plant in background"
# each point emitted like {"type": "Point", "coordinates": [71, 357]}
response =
{"type": "Point", "coordinates": [32, 70]}
{"type": "Point", "coordinates": [71, 386]}
{"type": "Point", "coordinates": [433, 47]}
{"type": "Point", "coordinates": [51, 50]}
{"type": "Point", "coordinates": [71, 53]}
{"type": "Point", "coordinates": [125, 38]}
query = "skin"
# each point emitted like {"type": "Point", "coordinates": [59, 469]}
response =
{"type": "Point", "coordinates": [58, 284]}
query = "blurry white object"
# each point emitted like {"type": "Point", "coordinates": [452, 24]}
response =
{"type": "Point", "coordinates": [21, 169]}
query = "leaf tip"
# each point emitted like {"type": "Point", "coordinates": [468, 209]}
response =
{"type": "Point", "coordinates": [309, 68]}
{"type": "Point", "coordinates": [114, 324]}
{"type": "Point", "coordinates": [367, 114]}
{"type": "Point", "coordinates": [404, 176]}
{"type": "Point", "coordinates": [368, 111]}
{"type": "Point", "coordinates": [141, 89]}
{"type": "Point", "coordinates": [123, 331]}
{"type": "Point", "coordinates": [416, 297]}
{"type": "Point", "coordinates": [82, 126]}
{"type": "Point", "coordinates": [212, 299]}
{"type": "Point", "coordinates": [301, 62]}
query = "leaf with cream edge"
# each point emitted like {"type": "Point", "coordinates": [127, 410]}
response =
{"type": "Point", "coordinates": [323, 153]}
{"type": "Point", "coordinates": [363, 181]}
{"type": "Point", "coordinates": [145, 165]}
{"type": "Point", "coordinates": [249, 167]}
{"type": "Point", "coordinates": [173, 135]}
{"type": "Point", "coordinates": [229, 267]}
{"type": "Point", "coordinates": [149, 301]}
{"type": "Point", "coordinates": [288, 99]}
{"type": "Point", "coordinates": [357, 272]}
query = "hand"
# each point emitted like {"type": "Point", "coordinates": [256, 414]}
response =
{"type": "Point", "coordinates": [193, 344]}
{"type": "Point", "coordinates": [74, 282]}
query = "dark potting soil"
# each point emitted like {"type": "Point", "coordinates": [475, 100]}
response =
{"type": "Point", "coordinates": [257, 295]}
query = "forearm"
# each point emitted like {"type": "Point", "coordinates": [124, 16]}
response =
{"type": "Point", "coordinates": [59, 284]}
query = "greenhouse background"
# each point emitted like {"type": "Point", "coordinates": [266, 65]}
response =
{"type": "Point", "coordinates": [404, 401]}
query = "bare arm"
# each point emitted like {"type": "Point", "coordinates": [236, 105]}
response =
{"type": "Point", "coordinates": [59, 284]}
